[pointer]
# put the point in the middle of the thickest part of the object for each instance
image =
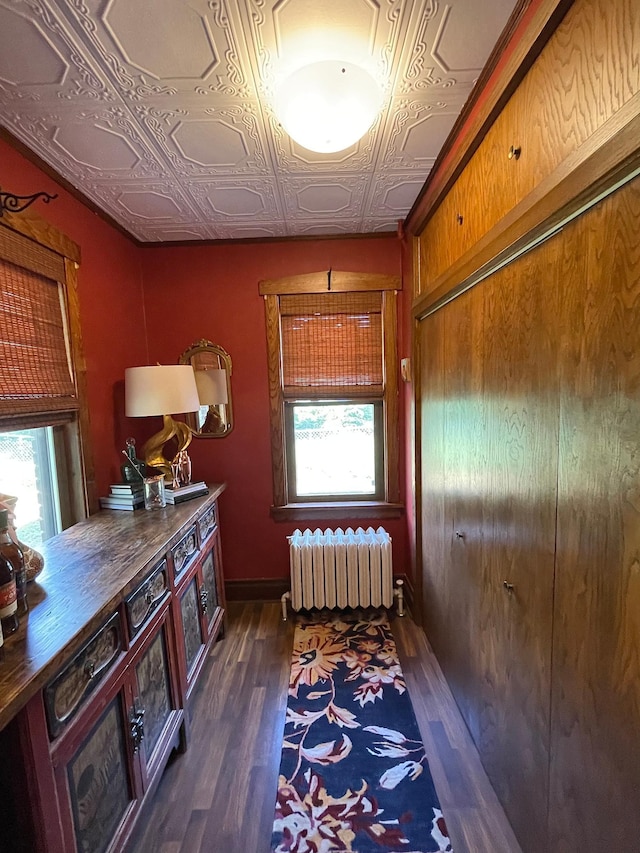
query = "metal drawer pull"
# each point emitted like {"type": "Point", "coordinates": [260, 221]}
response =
{"type": "Point", "coordinates": [90, 669]}
{"type": "Point", "coordinates": [514, 152]}
{"type": "Point", "coordinates": [508, 586]}
{"type": "Point", "coordinates": [459, 535]}
{"type": "Point", "coordinates": [204, 600]}
{"type": "Point", "coordinates": [136, 722]}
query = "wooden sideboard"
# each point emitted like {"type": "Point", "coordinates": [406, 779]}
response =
{"type": "Point", "coordinates": [95, 686]}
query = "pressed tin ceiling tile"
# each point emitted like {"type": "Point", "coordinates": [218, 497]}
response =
{"type": "Point", "coordinates": [160, 112]}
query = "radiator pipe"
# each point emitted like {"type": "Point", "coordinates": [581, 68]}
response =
{"type": "Point", "coordinates": [286, 596]}
{"type": "Point", "coordinates": [399, 594]}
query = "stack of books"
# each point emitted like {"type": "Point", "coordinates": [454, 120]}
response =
{"type": "Point", "coordinates": [124, 496]}
{"type": "Point", "coordinates": [185, 493]}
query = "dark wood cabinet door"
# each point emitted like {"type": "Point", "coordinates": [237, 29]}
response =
{"type": "Point", "coordinates": [209, 592]}
{"type": "Point", "coordinates": [595, 773]}
{"type": "Point", "coordinates": [100, 788]}
{"type": "Point", "coordinates": [191, 625]}
{"type": "Point", "coordinates": [154, 693]}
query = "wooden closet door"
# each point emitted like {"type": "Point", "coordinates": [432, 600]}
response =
{"type": "Point", "coordinates": [451, 428]}
{"type": "Point", "coordinates": [595, 772]}
{"type": "Point", "coordinates": [435, 580]}
{"type": "Point", "coordinates": [465, 472]}
{"type": "Point", "coordinates": [521, 410]}
{"type": "Point", "coordinates": [489, 445]}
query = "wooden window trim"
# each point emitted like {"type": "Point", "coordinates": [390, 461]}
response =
{"type": "Point", "coordinates": [337, 511]}
{"type": "Point", "coordinates": [319, 283]}
{"type": "Point", "coordinates": [334, 280]}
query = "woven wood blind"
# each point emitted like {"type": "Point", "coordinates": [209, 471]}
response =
{"type": "Point", "coordinates": [332, 343]}
{"type": "Point", "coordinates": [35, 368]}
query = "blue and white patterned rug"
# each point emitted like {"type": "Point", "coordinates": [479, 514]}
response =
{"type": "Point", "coordinates": [354, 776]}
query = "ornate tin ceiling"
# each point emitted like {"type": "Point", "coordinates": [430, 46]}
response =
{"type": "Point", "coordinates": [159, 111]}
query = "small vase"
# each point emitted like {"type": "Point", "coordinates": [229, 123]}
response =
{"type": "Point", "coordinates": [33, 560]}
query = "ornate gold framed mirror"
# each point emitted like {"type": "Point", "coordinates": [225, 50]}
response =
{"type": "Point", "coordinates": [212, 367]}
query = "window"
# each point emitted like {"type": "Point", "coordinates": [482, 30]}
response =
{"type": "Point", "coordinates": [42, 419]}
{"type": "Point", "coordinates": [333, 390]}
{"type": "Point", "coordinates": [334, 450]}
{"type": "Point", "coordinates": [29, 472]}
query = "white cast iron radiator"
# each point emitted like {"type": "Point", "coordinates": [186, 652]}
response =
{"type": "Point", "coordinates": [336, 568]}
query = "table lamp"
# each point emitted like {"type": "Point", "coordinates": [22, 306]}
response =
{"type": "Point", "coordinates": [163, 389]}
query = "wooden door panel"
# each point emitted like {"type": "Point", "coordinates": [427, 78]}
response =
{"type": "Point", "coordinates": [520, 390]}
{"type": "Point", "coordinates": [191, 626]}
{"type": "Point", "coordinates": [434, 569]}
{"type": "Point", "coordinates": [210, 586]}
{"type": "Point", "coordinates": [154, 693]}
{"type": "Point", "coordinates": [499, 170]}
{"type": "Point", "coordinates": [98, 777]}
{"type": "Point", "coordinates": [595, 774]}
{"type": "Point", "coordinates": [436, 251]}
{"type": "Point", "coordinates": [489, 467]}
{"type": "Point", "coordinates": [587, 72]}
{"type": "Point", "coordinates": [463, 495]}
{"type": "Point", "coordinates": [451, 582]}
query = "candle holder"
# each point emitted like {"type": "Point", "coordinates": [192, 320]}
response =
{"type": "Point", "coordinates": [154, 494]}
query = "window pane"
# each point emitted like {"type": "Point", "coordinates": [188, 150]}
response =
{"type": "Point", "coordinates": [334, 448]}
{"type": "Point", "coordinates": [27, 471]}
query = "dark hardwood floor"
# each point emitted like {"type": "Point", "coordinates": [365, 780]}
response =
{"type": "Point", "coordinates": [219, 796]}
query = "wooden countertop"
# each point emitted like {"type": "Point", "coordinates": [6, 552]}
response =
{"type": "Point", "coordinates": [89, 569]}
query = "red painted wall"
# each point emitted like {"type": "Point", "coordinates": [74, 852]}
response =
{"type": "Point", "coordinates": [111, 304]}
{"type": "Point", "coordinates": [139, 306]}
{"type": "Point", "coordinates": [212, 292]}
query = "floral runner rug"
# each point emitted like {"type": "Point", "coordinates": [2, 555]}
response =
{"type": "Point", "coordinates": [354, 777]}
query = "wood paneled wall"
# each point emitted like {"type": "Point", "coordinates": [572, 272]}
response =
{"type": "Point", "coordinates": [489, 450]}
{"type": "Point", "coordinates": [528, 412]}
{"type": "Point", "coordinates": [587, 72]}
{"type": "Point", "coordinates": [595, 747]}
{"type": "Point", "coordinates": [530, 447]}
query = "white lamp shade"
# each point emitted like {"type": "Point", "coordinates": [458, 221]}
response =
{"type": "Point", "coordinates": [328, 106]}
{"type": "Point", "coordinates": [165, 389]}
{"type": "Point", "coordinates": [212, 386]}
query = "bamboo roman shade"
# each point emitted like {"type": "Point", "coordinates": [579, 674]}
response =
{"type": "Point", "coordinates": [332, 343]}
{"type": "Point", "coordinates": [36, 374]}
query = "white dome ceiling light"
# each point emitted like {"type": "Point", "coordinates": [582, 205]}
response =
{"type": "Point", "coordinates": [328, 106]}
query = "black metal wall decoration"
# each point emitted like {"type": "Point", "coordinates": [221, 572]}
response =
{"type": "Point", "coordinates": [18, 203]}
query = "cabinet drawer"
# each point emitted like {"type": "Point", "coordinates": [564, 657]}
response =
{"type": "Point", "coordinates": [207, 523]}
{"type": "Point", "coordinates": [184, 552]}
{"type": "Point", "coordinates": [141, 603]}
{"type": "Point", "coordinates": [65, 695]}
